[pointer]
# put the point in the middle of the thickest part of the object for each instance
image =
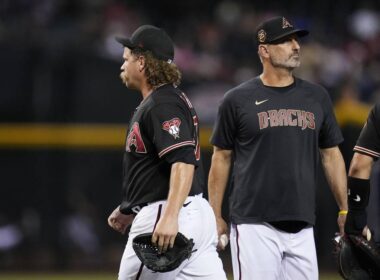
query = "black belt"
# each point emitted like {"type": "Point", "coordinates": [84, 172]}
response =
{"type": "Point", "coordinates": [289, 226]}
{"type": "Point", "coordinates": [137, 208]}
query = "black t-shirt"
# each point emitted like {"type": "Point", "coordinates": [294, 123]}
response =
{"type": "Point", "coordinates": [163, 130]}
{"type": "Point", "coordinates": [275, 137]}
{"type": "Point", "coordinates": [369, 140]}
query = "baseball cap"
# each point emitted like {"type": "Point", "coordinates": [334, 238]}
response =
{"type": "Point", "coordinates": [276, 29]}
{"type": "Point", "coordinates": [150, 38]}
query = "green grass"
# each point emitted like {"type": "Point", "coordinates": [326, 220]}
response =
{"type": "Point", "coordinates": [97, 276]}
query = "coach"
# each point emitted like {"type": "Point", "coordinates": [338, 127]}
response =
{"type": "Point", "coordinates": [272, 131]}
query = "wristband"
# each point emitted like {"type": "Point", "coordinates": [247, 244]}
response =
{"type": "Point", "coordinates": [342, 212]}
{"type": "Point", "coordinates": [358, 193]}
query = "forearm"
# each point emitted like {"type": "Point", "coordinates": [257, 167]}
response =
{"type": "Point", "coordinates": [361, 166]}
{"type": "Point", "coordinates": [335, 172]}
{"type": "Point", "coordinates": [218, 178]}
{"type": "Point", "coordinates": [358, 185]}
{"type": "Point", "coordinates": [181, 179]}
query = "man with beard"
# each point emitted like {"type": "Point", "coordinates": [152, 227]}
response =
{"type": "Point", "coordinates": [270, 131]}
{"type": "Point", "coordinates": [163, 175]}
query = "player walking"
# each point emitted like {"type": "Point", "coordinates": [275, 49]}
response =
{"type": "Point", "coordinates": [271, 130]}
{"type": "Point", "coordinates": [163, 181]}
{"type": "Point", "coordinates": [367, 150]}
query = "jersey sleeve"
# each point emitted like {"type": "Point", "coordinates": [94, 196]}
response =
{"type": "Point", "coordinates": [369, 140]}
{"type": "Point", "coordinates": [171, 129]}
{"type": "Point", "coordinates": [330, 134]}
{"type": "Point", "coordinates": [225, 127]}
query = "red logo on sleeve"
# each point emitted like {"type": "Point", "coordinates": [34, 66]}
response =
{"type": "Point", "coordinates": [134, 139]}
{"type": "Point", "coordinates": [172, 127]}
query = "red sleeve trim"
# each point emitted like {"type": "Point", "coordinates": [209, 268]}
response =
{"type": "Point", "coordinates": [366, 151]}
{"type": "Point", "coordinates": [175, 146]}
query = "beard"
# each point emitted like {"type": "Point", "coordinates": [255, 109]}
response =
{"type": "Point", "coordinates": [123, 78]}
{"type": "Point", "coordinates": [293, 61]}
{"type": "Point", "coordinates": [129, 82]}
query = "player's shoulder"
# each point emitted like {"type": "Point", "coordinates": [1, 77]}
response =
{"type": "Point", "coordinates": [304, 84]}
{"type": "Point", "coordinates": [376, 109]}
{"type": "Point", "coordinates": [375, 112]}
{"type": "Point", "coordinates": [168, 98]}
{"type": "Point", "coordinates": [314, 90]}
{"type": "Point", "coordinates": [244, 90]}
{"type": "Point", "coordinates": [167, 94]}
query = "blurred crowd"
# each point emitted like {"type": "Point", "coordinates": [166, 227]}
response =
{"type": "Point", "coordinates": [215, 49]}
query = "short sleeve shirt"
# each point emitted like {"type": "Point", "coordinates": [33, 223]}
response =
{"type": "Point", "coordinates": [369, 140]}
{"type": "Point", "coordinates": [275, 138]}
{"type": "Point", "coordinates": [163, 130]}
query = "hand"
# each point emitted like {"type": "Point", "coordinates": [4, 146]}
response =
{"type": "Point", "coordinates": [222, 228]}
{"type": "Point", "coordinates": [367, 233]}
{"type": "Point", "coordinates": [119, 221]}
{"type": "Point", "coordinates": [341, 221]}
{"type": "Point", "coordinates": [165, 233]}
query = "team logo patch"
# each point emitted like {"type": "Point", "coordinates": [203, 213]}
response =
{"type": "Point", "coordinates": [285, 23]}
{"type": "Point", "coordinates": [172, 127]}
{"type": "Point", "coordinates": [135, 139]}
{"type": "Point", "coordinates": [261, 35]}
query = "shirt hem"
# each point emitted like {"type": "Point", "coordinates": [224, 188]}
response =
{"type": "Point", "coordinates": [254, 220]}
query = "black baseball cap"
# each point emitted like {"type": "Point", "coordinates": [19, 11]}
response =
{"type": "Point", "coordinates": [150, 38]}
{"type": "Point", "coordinates": [275, 29]}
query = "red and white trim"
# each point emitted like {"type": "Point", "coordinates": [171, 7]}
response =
{"type": "Point", "coordinates": [184, 97]}
{"type": "Point", "coordinates": [366, 151]}
{"type": "Point", "coordinates": [175, 146]}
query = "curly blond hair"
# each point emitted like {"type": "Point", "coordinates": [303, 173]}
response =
{"type": "Point", "coordinates": [158, 71]}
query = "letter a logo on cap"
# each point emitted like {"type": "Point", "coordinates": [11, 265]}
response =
{"type": "Point", "coordinates": [285, 23]}
{"type": "Point", "coordinates": [261, 36]}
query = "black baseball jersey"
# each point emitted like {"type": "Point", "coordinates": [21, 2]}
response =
{"type": "Point", "coordinates": [275, 135]}
{"type": "Point", "coordinates": [163, 130]}
{"type": "Point", "coordinates": [369, 140]}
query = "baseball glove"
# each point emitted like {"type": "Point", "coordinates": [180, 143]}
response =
{"type": "Point", "coordinates": [164, 262]}
{"type": "Point", "coordinates": [357, 258]}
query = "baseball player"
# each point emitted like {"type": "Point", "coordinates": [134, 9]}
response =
{"type": "Point", "coordinates": [270, 131]}
{"type": "Point", "coordinates": [367, 150]}
{"type": "Point", "coordinates": [163, 180]}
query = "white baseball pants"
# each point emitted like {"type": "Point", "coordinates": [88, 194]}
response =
{"type": "Point", "coordinates": [197, 221]}
{"type": "Point", "coordinates": [260, 251]}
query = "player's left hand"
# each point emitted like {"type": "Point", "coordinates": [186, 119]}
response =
{"type": "Point", "coordinates": [119, 221]}
{"type": "Point", "coordinates": [341, 221]}
{"type": "Point", "coordinates": [165, 233]}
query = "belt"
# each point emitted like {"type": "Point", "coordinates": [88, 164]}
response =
{"type": "Point", "coordinates": [137, 208]}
